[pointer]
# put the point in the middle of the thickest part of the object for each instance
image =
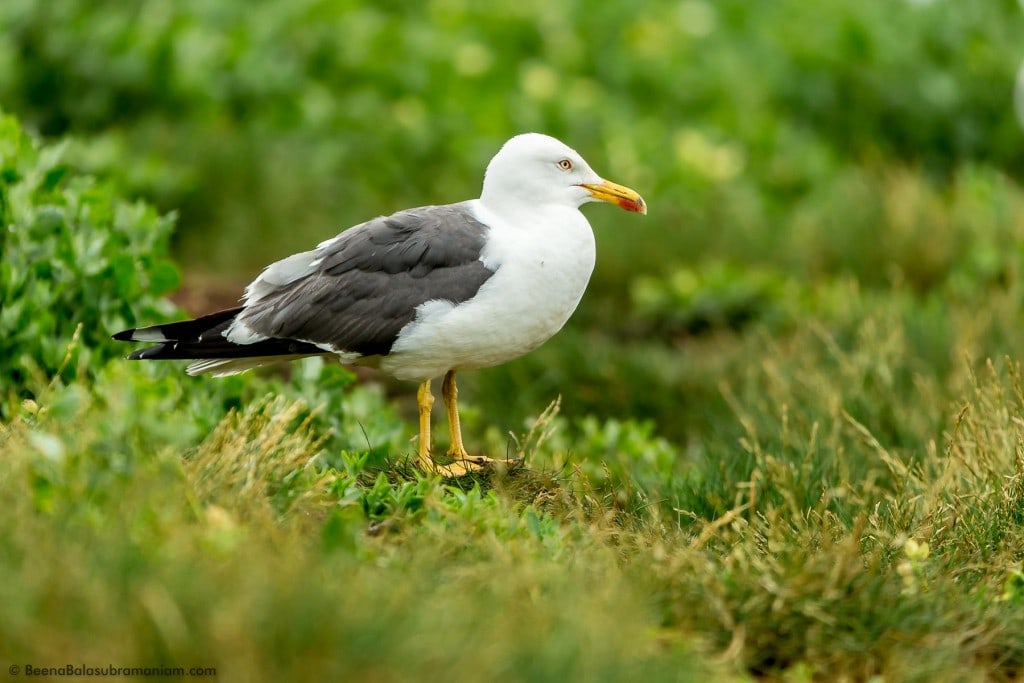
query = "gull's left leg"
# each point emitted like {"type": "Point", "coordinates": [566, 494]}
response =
{"type": "Point", "coordinates": [462, 461]}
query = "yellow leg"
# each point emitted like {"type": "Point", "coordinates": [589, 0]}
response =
{"type": "Point", "coordinates": [450, 392]}
{"type": "Point", "coordinates": [463, 462]}
{"type": "Point", "coordinates": [425, 401]}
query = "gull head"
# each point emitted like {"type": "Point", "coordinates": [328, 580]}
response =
{"type": "Point", "coordinates": [538, 170]}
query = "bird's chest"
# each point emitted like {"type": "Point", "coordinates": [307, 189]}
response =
{"type": "Point", "coordinates": [539, 287]}
{"type": "Point", "coordinates": [538, 281]}
{"type": "Point", "coordinates": [536, 288]}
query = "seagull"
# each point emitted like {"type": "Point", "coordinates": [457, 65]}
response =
{"type": "Point", "coordinates": [422, 293]}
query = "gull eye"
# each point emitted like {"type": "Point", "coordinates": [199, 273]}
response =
{"type": "Point", "coordinates": [565, 165]}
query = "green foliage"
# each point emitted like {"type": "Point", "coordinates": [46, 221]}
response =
{"type": "Point", "coordinates": [76, 262]}
{"type": "Point", "coordinates": [718, 296]}
{"type": "Point", "coordinates": [289, 121]}
{"type": "Point", "coordinates": [783, 451]}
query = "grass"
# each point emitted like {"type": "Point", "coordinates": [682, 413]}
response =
{"type": "Point", "coordinates": [856, 517]}
{"type": "Point", "coordinates": [246, 557]}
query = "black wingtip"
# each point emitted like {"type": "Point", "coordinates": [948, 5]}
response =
{"type": "Point", "coordinates": [124, 335]}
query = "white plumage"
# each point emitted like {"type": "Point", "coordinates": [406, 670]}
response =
{"type": "Point", "coordinates": [542, 265]}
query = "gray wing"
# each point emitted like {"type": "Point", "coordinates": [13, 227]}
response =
{"type": "Point", "coordinates": [356, 292]}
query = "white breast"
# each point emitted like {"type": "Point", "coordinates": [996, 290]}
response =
{"type": "Point", "coordinates": [544, 261]}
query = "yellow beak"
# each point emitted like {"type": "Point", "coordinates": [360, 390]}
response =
{"type": "Point", "coordinates": [608, 191]}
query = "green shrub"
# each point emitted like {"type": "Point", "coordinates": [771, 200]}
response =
{"type": "Point", "coordinates": [77, 262]}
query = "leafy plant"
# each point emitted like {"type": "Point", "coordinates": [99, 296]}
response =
{"type": "Point", "coordinates": [77, 263]}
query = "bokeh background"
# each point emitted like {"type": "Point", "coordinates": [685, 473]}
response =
{"type": "Point", "coordinates": [785, 149]}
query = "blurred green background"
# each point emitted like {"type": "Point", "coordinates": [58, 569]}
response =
{"type": "Point", "coordinates": [796, 156]}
